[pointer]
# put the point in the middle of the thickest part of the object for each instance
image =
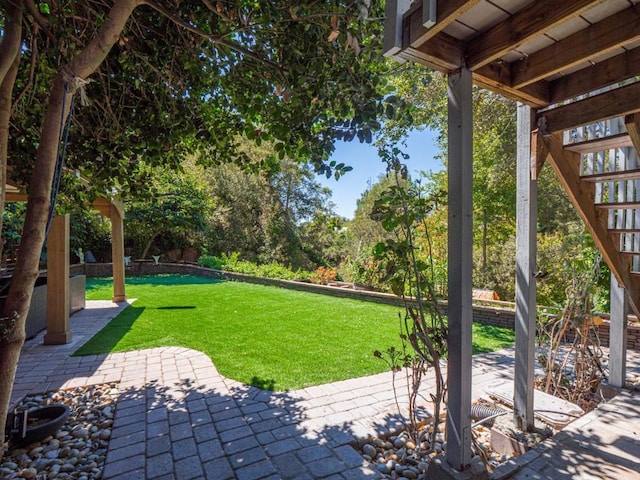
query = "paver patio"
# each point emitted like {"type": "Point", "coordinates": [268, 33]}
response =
{"type": "Point", "coordinates": [177, 417]}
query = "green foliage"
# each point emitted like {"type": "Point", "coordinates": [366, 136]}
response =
{"type": "Point", "coordinates": [232, 263]}
{"type": "Point", "coordinates": [402, 210]}
{"type": "Point", "coordinates": [364, 232]}
{"type": "Point", "coordinates": [366, 270]}
{"type": "Point", "coordinates": [564, 260]}
{"type": "Point", "coordinates": [13, 219]}
{"type": "Point", "coordinates": [177, 213]}
{"type": "Point", "coordinates": [314, 71]}
{"type": "Point", "coordinates": [283, 216]}
{"type": "Point", "coordinates": [90, 231]}
{"type": "Point", "coordinates": [211, 261]}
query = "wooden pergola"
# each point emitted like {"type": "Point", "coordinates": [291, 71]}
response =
{"type": "Point", "coordinates": [572, 65]}
{"type": "Point", "coordinates": [58, 262]}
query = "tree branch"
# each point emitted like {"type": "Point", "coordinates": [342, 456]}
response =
{"type": "Point", "coordinates": [35, 57]}
{"type": "Point", "coordinates": [10, 46]}
{"type": "Point", "coordinates": [39, 19]}
{"type": "Point", "coordinates": [217, 39]}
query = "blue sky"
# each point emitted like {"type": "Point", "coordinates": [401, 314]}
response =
{"type": "Point", "coordinates": [367, 167]}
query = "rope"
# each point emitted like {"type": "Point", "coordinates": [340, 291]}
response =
{"type": "Point", "coordinates": [63, 138]}
{"type": "Point", "coordinates": [71, 86]}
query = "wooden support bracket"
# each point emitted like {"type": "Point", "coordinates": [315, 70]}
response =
{"type": "Point", "coordinates": [538, 153]}
{"type": "Point", "coordinates": [632, 121]}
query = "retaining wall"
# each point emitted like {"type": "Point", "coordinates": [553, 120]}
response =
{"type": "Point", "coordinates": [487, 315]}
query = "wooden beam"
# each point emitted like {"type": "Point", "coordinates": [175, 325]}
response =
{"type": "Point", "coordinates": [614, 103]}
{"type": "Point", "coordinates": [526, 24]}
{"type": "Point", "coordinates": [58, 291]}
{"type": "Point", "coordinates": [608, 72]}
{"type": "Point", "coordinates": [632, 122]}
{"type": "Point", "coordinates": [617, 205]}
{"type": "Point", "coordinates": [618, 334]}
{"type": "Point", "coordinates": [460, 266]}
{"type": "Point", "coordinates": [15, 197]}
{"type": "Point", "coordinates": [443, 51]}
{"type": "Point", "coordinates": [538, 154]}
{"type": "Point", "coordinates": [117, 254]}
{"type": "Point", "coordinates": [624, 230]}
{"type": "Point", "coordinates": [392, 41]}
{"type": "Point", "coordinates": [566, 165]}
{"type": "Point", "coordinates": [103, 205]}
{"type": "Point", "coordinates": [525, 319]}
{"type": "Point", "coordinates": [447, 11]}
{"type": "Point", "coordinates": [497, 78]}
{"type": "Point", "coordinates": [630, 174]}
{"type": "Point", "coordinates": [613, 32]}
{"type": "Point", "coordinates": [599, 144]}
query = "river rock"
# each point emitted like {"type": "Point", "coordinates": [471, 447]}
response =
{"type": "Point", "coordinates": [399, 442]}
{"type": "Point", "coordinates": [81, 433]}
{"type": "Point", "coordinates": [27, 473]}
{"type": "Point", "coordinates": [369, 449]}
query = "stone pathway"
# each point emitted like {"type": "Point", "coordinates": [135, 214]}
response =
{"type": "Point", "coordinates": [178, 418]}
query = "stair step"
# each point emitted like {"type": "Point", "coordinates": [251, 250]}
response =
{"type": "Point", "coordinates": [602, 143]}
{"type": "Point", "coordinates": [624, 230]}
{"type": "Point", "coordinates": [635, 252]}
{"type": "Point", "coordinates": [617, 205]}
{"type": "Point", "coordinates": [631, 174]}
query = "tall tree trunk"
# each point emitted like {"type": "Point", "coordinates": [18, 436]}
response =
{"type": "Point", "coordinates": [19, 298]}
{"type": "Point", "coordinates": [9, 61]}
{"type": "Point", "coordinates": [147, 247]}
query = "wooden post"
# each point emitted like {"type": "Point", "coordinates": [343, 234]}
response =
{"type": "Point", "coordinates": [117, 252]}
{"type": "Point", "coordinates": [58, 292]}
{"type": "Point", "coordinates": [618, 334]}
{"type": "Point", "coordinates": [526, 213]}
{"type": "Point", "coordinates": [460, 242]}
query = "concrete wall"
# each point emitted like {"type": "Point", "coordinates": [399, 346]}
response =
{"type": "Point", "coordinates": [501, 316]}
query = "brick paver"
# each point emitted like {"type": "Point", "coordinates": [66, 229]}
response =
{"type": "Point", "coordinates": [176, 417]}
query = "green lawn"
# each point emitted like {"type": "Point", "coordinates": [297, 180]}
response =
{"type": "Point", "coordinates": [265, 336]}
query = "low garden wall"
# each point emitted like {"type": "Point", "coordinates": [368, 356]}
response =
{"type": "Point", "coordinates": [501, 316]}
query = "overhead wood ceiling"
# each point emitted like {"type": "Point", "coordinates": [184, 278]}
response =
{"type": "Point", "coordinates": [541, 52]}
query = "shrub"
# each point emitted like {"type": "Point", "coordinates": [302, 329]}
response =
{"type": "Point", "coordinates": [324, 276]}
{"type": "Point", "coordinates": [211, 261]}
{"type": "Point", "coordinates": [231, 263]}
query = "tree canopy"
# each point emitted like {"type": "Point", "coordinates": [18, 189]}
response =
{"type": "Point", "coordinates": [199, 74]}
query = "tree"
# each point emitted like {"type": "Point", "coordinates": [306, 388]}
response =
{"type": "Point", "coordinates": [311, 70]}
{"type": "Point", "coordinates": [261, 215]}
{"type": "Point", "coordinates": [364, 232]}
{"type": "Point", "coordinates": [179, 208]}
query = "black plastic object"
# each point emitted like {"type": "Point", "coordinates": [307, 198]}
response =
{"type": "Point", "coordinates": [49, 420]}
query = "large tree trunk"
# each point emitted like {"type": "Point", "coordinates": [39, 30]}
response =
{"type": "Point", "coordinates": [19, 298]}
{"type": "Point", "coordinates": [10, 47]}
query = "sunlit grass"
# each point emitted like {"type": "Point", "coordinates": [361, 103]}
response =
{"type": "Point", "coordinates": [269, 337]}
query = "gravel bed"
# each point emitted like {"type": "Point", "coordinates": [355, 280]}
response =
{"type": "Point", "coordinates": [399, 458]}
{"type": "Point", "coordinates": [79, 448]}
